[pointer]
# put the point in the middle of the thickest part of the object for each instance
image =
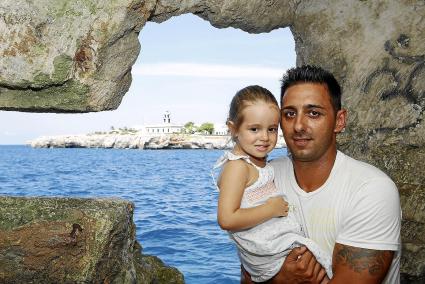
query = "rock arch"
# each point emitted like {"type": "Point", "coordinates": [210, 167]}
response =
{"type": "Point", "coordinates": [76, 56]}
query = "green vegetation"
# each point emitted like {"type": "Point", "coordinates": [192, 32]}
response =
{"type": "Point", "coordinates": [189, 127]}
{"type": "Point", "coordinates": [120, 131]}
{"type": "Point", "coordinates": [62, 68]}
{"type": "Point", "coordinates": [206, 127]}
{"type": "Point", "coordinates": [69, 97]}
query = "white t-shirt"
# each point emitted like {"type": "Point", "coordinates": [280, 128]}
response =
{"type": "Point", "coordinates": [358, 206]}
{"type": "Point", "coordinates": [262, 249]}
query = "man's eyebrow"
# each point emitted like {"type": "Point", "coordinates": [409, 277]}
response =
{"type": "Point", "coordinates": [309, 106]}
{"type": "Point", "coordinates": [314, 106]}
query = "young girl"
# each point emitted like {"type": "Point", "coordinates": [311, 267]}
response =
{"type": "Point", "coordinates": [249, 205]}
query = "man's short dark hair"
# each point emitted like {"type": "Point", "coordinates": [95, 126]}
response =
{"type": "Point", "coordinates": [312, 74]}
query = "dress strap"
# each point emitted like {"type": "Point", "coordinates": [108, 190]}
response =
{"type": "Point", "coordinates": [229, 156]}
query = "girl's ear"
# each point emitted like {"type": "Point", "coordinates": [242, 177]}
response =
{"type": "Point", "coordinates": [232, 128]}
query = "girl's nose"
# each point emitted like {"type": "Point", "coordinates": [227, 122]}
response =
{"type": "Point", "coordinates": [264, 135]}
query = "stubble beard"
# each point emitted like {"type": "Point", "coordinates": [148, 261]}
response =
{"type": "Point", "coordinates": [311, 154]}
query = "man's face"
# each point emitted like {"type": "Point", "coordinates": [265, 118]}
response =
{"type": "Point", "coordinates": [309, 122]}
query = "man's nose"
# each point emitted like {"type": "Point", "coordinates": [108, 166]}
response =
{"type": "Point", "coordinates": [299, 123]}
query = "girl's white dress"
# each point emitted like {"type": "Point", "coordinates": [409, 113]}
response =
{"type": "Point", "coordinates": [262, 249]}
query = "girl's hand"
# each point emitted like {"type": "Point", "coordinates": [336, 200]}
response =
{"type": "Point", "coordinates": [279, 207]}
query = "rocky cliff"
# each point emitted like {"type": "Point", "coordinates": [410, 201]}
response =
{"type": "Point", "coordinates": [67, 240]}
{"type": "Point", "coordinates": [118, 141]}
{"type": "Point", "coordinates": [76, 56]}
{"type": "Point", "coordinates": [133, 141]}
{"type": "Point", "coordinates": [138, 141]}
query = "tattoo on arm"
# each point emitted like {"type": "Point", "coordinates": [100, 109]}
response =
{"type": "Point", "coordinates": [373, 262]}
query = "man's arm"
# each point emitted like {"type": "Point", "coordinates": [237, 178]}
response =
{"type": "Point", "coordinates": [359, 265]}
{"type": "Point", "coordinates": [350, 265]}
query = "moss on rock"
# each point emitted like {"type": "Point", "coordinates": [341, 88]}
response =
{"type": "Point", "coordinates": [73, 240]}
{"type": "Point", "coordinates": [71, 96]}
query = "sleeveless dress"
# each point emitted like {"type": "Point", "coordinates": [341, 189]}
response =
{"type": "Point", "coordinates": [262, 249]}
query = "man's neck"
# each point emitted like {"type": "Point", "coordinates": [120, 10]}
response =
{"type": "Point", "coordinates": [312, 175]}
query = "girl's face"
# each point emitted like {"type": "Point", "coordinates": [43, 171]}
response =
{"type": "Point", "coordinates": [256, 136]}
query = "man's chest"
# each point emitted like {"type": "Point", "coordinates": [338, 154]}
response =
{"type": "Point", "coordinates": [321, 216]}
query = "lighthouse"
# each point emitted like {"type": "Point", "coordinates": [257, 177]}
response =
{"type": "Point", "coordinates": [167, 119]}
{"type": "Point", "coordinates": [165, 127]}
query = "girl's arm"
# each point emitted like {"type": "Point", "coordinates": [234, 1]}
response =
{"type": "Point", "coordinates": [232, 183]}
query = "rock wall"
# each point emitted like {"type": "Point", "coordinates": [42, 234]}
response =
{"type": "Point", "coordinates": [65, 240]}
{"type": "Point", "coordinates": [68, 56]}
{"type": "Point", "coordinates": [74, 57]}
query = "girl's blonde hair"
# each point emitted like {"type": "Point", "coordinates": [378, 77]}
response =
{"type": "Point", "coordinates": [242, 98]}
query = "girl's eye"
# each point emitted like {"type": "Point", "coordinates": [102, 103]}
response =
{"type": "Point", "coordinates": [273, 129]}
{"type": "Point", "coordinates": [254, 129]}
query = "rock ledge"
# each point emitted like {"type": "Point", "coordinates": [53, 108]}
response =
{"type": "Point", "coordinates": [74, 240]}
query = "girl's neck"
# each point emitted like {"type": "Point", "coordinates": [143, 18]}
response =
{"type": "Point", "coordinates": [258, 161]}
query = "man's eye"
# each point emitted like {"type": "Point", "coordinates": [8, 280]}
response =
{"type": "Point", "coordinates": [314, 113]}
{"type": "Point", "coordinates": [290, 114]}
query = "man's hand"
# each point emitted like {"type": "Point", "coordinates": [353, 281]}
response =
{"type": "Point", "coordinates": [300, 266]}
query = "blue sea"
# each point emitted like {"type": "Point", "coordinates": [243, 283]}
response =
{"type": "Point", "coordinates": [172, 190]}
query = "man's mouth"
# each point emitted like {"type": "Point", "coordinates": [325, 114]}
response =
{"type": "Point", "coordinates": [301, 141]}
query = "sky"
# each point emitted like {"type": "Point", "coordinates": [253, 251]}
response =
{"type": "Point", "coordinates": [186, 67]}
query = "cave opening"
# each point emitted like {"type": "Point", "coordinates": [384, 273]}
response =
{"type": "Point", "coordinates": [192, 70]}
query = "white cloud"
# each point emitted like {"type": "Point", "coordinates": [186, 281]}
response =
{"type": "Point", "coordinates": [9, 133]}
{"type": "Point", "coordinates": [207, 70]}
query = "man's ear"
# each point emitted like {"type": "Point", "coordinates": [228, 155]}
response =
{"type": "Point", "coordinates": [340, 122]}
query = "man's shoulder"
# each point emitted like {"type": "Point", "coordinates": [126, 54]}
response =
{"type": "Point", "coordinates": [362, 178]}
{"type": "Point", "coordinates": [281, 162]}
{"type": "Point", "coordinates": [361, 170]}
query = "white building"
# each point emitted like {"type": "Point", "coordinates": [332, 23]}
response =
{"type": "Point", "coordinates": [165, 128]}
{"type": "Point", "coordinates": [220, 129]}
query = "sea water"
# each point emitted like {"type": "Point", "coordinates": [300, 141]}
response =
{"type": "Point", "coordinates": [173, 192]}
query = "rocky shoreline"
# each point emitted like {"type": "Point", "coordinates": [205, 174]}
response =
{"type": "Point", "coordinates": [137, 141]}
{"type": "Point", "coordinates": [74, 240]}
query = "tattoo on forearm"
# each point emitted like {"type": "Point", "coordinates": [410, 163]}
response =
{"type": "Point", "coordinates": [361, 260]}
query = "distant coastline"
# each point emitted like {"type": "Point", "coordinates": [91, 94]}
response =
{"type": "Point", "coordinates": [137, 140]}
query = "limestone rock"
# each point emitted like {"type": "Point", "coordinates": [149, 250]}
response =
{"type": "Point", "coordinates": [133, 141]}
{"type": "Point", "coordinates": [189, 142]}
{"type": "Point", "coordinates": [68, 56]}
{"type": "Point", "coordinates": [195, 142]}
{"type": "Point", "coordinates": [75, 56]}
{"type": "Point", "coordinates": [118, 141]}
{"type": "Point", "coordinates": [66, 240]}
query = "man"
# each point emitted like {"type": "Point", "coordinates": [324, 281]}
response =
{"type": "Point", "coordinates": [350, 208]}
